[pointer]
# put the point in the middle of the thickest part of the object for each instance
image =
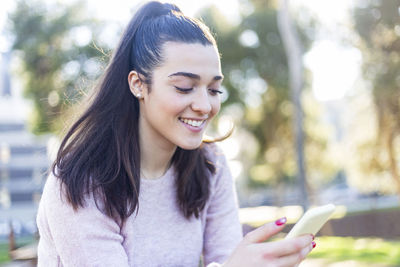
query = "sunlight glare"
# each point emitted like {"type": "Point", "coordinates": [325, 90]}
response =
{"type": "Point", "coordinates": [122, 10]}
{"type": "Point", "coordinates": [328, 12]}
{"type": "Point", "coordinates": [335, 69]}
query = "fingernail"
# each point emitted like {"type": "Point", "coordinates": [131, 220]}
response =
{"type": "Point", "coordinates": [280, 221]}
{"type": "Point", "coordinates": [313, 244]}
{"type": "Point", "coordinates": [312, 236]}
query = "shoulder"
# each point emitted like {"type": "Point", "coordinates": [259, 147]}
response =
{"type": "Point", "coordinates": [52, 190]}
{"type": "Point", "coordinates": [54, 197]}
{"type": "Point", "coordinates": [213, 153]}
{"type": "Point", "coordinates": [55, 204]}
{"type": "Point", "coordinates": [216, 156]}
{"type": "Point", "coordinates": [55, 194]}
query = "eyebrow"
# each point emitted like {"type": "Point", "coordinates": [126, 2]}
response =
{"type": "Point", "coordinates": [194, 76]}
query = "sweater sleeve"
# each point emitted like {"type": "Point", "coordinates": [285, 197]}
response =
{"type": "Point", "coordinates": [223, 231]}
{"type": "Point", "coordinates": [86, 237]}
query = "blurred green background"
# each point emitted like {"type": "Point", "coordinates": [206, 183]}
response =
{"type": "Point", "coordinates": [348, 100]}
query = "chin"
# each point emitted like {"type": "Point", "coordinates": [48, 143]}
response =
{"type": "Point", "coordinates": [190, 145]}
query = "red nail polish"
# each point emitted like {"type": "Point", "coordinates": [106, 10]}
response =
{"type": "Point", "coordinates": [313, 244]}
{"type": "Point", "coordinates": [280, 221]}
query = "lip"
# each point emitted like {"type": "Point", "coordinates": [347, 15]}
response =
{"type": "Point", "coordinates": [194, 119]}
{"type": "Point", "coordinates": [193, 128]}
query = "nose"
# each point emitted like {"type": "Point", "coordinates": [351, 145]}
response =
{"type": "Point", "coordinates": [201, 102]}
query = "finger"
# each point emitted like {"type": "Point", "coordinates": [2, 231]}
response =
{"type": "Point", "coordinates": [264, 232]}
{"type": "Point", "coordinates": [295, 258]}
{"type": "Point", "coordinates": [285, 246]}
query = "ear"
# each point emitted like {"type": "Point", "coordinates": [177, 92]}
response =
{"type": "Point", "coordinates": [135, 84]}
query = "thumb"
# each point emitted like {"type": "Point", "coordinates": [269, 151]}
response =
{"type": "Point", "coordinates": [264, 232]}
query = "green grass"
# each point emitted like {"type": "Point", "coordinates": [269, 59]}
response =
{"type": "Point", "coordinates": [4, 253]}
{"type": "Point", "coordinates": [367, 250]}
{"type": "Point", "coordinates": [4, 247]}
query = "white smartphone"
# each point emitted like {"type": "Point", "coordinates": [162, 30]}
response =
{"type": "Point", "coordinates": [312, 221]}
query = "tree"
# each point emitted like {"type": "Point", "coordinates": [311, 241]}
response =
{"type": "Point", "coordinates": [295, 65]}
{"type": "Point", "coordinates": [254, 62]}
{"type": "Point", "coordinates": [377, 24]}
{"type": "Point", "coordinates": [56, 48]}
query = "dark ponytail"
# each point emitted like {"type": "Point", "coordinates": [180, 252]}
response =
{"type": "Point", "coordinates": [100, 153]}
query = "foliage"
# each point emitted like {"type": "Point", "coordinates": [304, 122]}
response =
{"type": "Point", "coordinates": [377, 24]}
{"type": "Point", "coordinates": [57, 55]}
{"type": "Point", "coordinates": [256, 78]}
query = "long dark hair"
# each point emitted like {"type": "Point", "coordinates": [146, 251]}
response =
{"type": "Point", "coordinates": [100, 153]}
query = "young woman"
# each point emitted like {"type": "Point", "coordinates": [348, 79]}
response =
{"type": "Point", "coordinates": [133, 183]}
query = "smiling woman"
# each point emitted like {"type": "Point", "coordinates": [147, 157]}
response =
{"type": "Point", "coordinates": [134, 184]}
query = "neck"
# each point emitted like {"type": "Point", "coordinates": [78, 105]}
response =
{"type": "Point", "coordinates": [155, 155]}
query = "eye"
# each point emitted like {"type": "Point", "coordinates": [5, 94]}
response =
{"type": "Point", "coordinates": [183, 90]}
{"type": "Point", "coordinates": [215, 91]}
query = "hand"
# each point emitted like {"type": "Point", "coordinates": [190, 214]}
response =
{"type": "Point", "coordinates": [252, 251]}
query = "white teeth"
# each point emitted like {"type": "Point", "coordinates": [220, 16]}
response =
{"type": "Point", "coordinates": [192, 122]}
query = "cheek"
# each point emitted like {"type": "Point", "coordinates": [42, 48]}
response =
{"type": "Point", "coordinates": [216, 106]}
{"type": "Point", "coordinates": [173, 105]}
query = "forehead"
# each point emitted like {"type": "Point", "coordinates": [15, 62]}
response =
{"type": "Point", "coordinates": [195, 58]}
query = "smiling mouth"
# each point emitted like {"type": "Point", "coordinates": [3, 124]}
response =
{"type": "Point", "coordinates": [194, 123]}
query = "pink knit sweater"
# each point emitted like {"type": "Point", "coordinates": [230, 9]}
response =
{"type": "Point", "coordinates": [158, 236]}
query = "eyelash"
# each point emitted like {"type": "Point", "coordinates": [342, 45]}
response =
{"type": "Point", "coordinates": [183, 90]}
{"type": "Point", "coordinates": [187, 90]}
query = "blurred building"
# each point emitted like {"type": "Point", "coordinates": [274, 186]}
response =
{"type": "Point", "coordinates": [23, 158]}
